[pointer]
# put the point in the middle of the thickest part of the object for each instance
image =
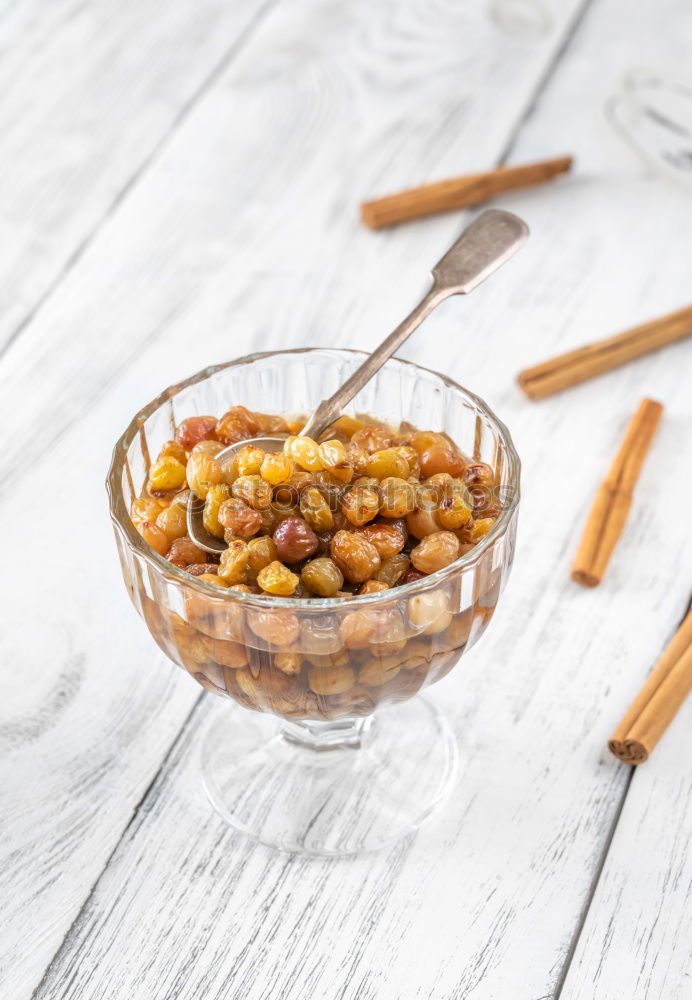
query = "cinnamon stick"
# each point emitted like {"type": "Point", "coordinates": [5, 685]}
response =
{"type": "Point", "coordinates": [602, 356]}
{"type": "Point", "coordinates": [655, 706]}
{"type": "Point", "coordinates": [614, 497]}
{"type": "Point", "coordinates": [459, 192]}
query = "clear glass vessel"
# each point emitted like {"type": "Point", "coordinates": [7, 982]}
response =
{"type": "Point", "coordinates": [335, 754]}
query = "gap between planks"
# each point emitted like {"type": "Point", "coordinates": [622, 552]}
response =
{"type": "Point", "coordinates": [73, 259]}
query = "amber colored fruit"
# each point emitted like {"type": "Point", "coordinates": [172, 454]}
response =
{"type": "Point", "coordinates": [305, 453]}
{"type": "Point", "coordinates": [276, 626]}
{"type": "Point", "coordinates": [183, 552]}
{"type": "Point", "coordinates": [154, 536]}
{"type": "Point", "coordinates": [254, 491]}
{"type": "Point", "coordinates": [203, 471]}
{"type": "Point", "coordinates": [276, 468]}
{"type": "Point", "coordinates": [335, 460]}
{"type": "Point", "coordinates": [372, 438]}
{"type": "Point", "coordinates": [237, 424]}
{"type": "Point", "coordinates": [198, 569]}
{"type": "Point", "coordinates": [145, 509]}
{"type": "Point", "coordinates": [356, 557]}
{"type": "Point", "coordinates": [270, 424]}
{"type": "Point", "coordinates": [360, 629]}
{"type": "Point", "coordinates": [216, 496]}
{"type": "Point", "coordinates": [249, 460]}
{"type": "Point", "coordinates": [361, 504]}
{"type": "Point", "coordinates": [422, 523]}
{"type": "Point", "coordinates": [441, 458]}
{"type": "Point", "coordinates": [189, 432]}
{"type": "Point", "coordinates": [412, 459]}
{"type": "Point", "coordinates": [386, 538]}
{"type": "Point", "coordinates": [214, 580]}
{"type": "Point", "coordinates": [315, 510]}
{"type": "Point", "coordinates": [411, 576]}
{"type": "Point", "coordinates": [240, 519]}
{"type": "Point", "coordinates": [166, 473]}
{"type": "Point", "coordinates": [435, 552]}
{"type": "Point", "coordinates": [322, 576]}
{"type": "Point", "coordinates": [479, 529]}
{"type": "Point", "coordinates": [430, 612]}
{"type": "Point", "coordinates": [398, 497]}
{"type": "Point", "coordinates": [277, 579]}
{"type": "Point", "coordinates": [295, 540]}
{"type": "Point", "coordinates": [358, 457]}
{"type": "Point", "coordinates": [420, 441]}
{"type": "Point", "coordinates": [479, 474]}
{"type": "Point", "coordinates": [373, 587]}
{"type": "Point", "coordinates": [330, 680]}
{"type": "Point", "coordinates": [288, 663]}
{"type": "Point", "coordinates": [456, 507]}
{"type": "Point", "coordinates": [347, 425]}
{"type": "Point", "coordinates": [175, 450]}
{"type": "Point", "coordinates": [262, 551]}
{"type": "Point", "coordinates": [386, 463]}
{"type": "Point", "coordinates": [234, 561]}
{"type": "Point", "coordinates": [173, 522]}
{"type": "Point", "coordinates": [376, 672]}
{"type": "Point", "coordinates": [393, 569]}
{"type": "Point", "coordinates": [210, 446]}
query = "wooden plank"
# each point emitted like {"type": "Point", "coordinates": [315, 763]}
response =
{"type": "Point", "coordinates": [91, 93]}
{"type": "Point", "coordinates": [253, 204]}
{"type": "Point", "coordinates": [636, 939]}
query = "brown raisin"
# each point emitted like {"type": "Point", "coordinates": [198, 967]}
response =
{"type": "Point", "coordinates": [240, 519]}
{"type": "Point", "coordinates": [295, 540]}
{"type": "Point", "coordinates": [195, 429]}
{"type": "Point", "coordinates": [356, 557]}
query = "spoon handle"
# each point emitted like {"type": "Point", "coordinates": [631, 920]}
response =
{"type": "Point", "coordinates": [483, 247]}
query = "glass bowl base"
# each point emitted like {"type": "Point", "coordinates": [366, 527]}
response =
{"type": "Point", "coordinates": [329, 789]}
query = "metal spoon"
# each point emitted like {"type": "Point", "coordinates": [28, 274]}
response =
{"type": "Point", "coordinates": [483, 247]}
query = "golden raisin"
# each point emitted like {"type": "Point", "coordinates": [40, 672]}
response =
{"type": "Point", "coordinates": [322, 576]}
{"type": "Point", "coordinates": [373, 587]}
{"type": "Point", "coordinates": [173, 450]}
{"type": "Point", "coordinates": [398, 497]}
{"type": "Point", "coordinates": [435, 552]}
{"type": "Point", "coordinates": [173, 521]}
{"type": "Point", "coordinates": [154, 536]}
{"type": "Point", "coordinates": [361, 504]}
{"type": "Point", "coordinates": [386, 463]}
{"type": "Point", "coordinates": [195, 429]}
{"type": "Point", "coordinates": [183, 552]}
{"type": "Point", "coordinates": [358, 457]}
{"type": "Point", "coordinates": [203, 471]}
{"type": "Point", "coordinates": [441, 458]}
{"type": "Point", "coordinates": [254, 491]}
{"type": "Point", "coordinates": [288, 663]}
{"type": "Point", "coordinates": [430, 612]}
{"type": "Point", "coordinates": [277, 579]}
{"type": "Point", "coordinates": [238, 518]}
{"type": "Point", "coordinates": [210, 446]}
{"type": "Point", "coordinates": [276, 468]}
{"type": "Point", "coordinates": [249, 460]}
{"type": "Point", "coordinates": [421, 523]}
{"type": "Point", "coordinates": [315, 510]}
{"type": "Point", "coordinates": [216, 496]}
{"type": "Point", "coordinates": [305, 452]}
{"type": "Point", "coordinates": [262, 551]}
{"type": "Point", "coordinates": [166, 473]}
{"type": "Point", "coordinates": [334, 458]}
{"type": "Point", "coordinates": [387, 539]}
{"type": "Point", "coordinates": [330, 680]}
{"type": "Point", "coordinates": [456, 507]}
{"type": "Point", "coordinates": [234, 561]}
{"type": "Point", "coordinates": [295, 540]}
{"type": "Point", "coordinates": [213, 579]}
{"type": "Point", "coordinates": [355, 556]}
{"type": "Point", "coordinates": [237, 424]}
{"type": "Point", "coordinates": [372, 438]}
{"type": "Point", "coordinates": [422, 440]}
{"type": "Point", "coordinates": [270, 424]}
{"type": "Point", "coordinates": [276, 626]}
{"type": "Point", "coordinates": [393, 569]}
{"type": "Point", "coordinates": [145, 509]}
{"type": "Point", "coordinates": [479, 528]}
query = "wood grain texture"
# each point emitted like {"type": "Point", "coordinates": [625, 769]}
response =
{"type": "Point", "coordinates": [214, 254]}
{"type": "Point", "coordinates": [210, 238]}
{"type": "Point", "coordinates": [636, 939]}
{"type": "Point", "coordinates": [90, 95]}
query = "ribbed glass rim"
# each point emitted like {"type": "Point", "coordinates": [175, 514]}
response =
{"type": "Point", "coordinates": [120, 515]}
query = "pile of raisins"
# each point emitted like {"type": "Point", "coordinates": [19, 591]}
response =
{"type": "Point", "coordinates": [363, 510]}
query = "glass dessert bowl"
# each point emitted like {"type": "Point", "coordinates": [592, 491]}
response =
{"type": "Point", "coordinates": [336, 755]}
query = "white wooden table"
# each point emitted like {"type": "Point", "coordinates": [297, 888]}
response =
{"type": "Point", "coordinates": [180, 185]}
